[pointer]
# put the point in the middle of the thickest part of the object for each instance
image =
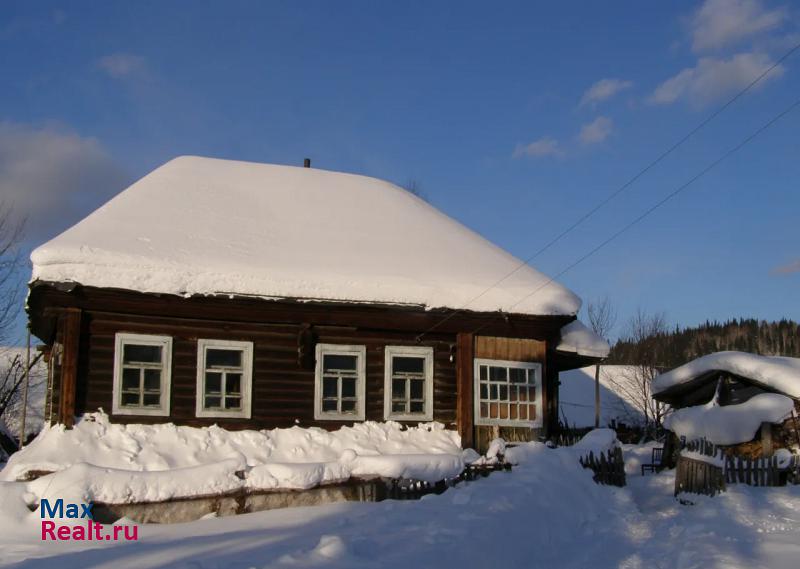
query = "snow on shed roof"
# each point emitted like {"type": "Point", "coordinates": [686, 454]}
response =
{"type": "Point", "coordinates": [577, 338]}
{"type": "Point", "coordinates": [779, 373]}
{"type": "Point", "coordinates": [208, 226]}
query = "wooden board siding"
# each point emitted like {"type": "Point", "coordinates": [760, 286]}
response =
{"type": "Point", "coordinates": [511, 349]}
{"type": "Point", "coordinates": [283, 390]}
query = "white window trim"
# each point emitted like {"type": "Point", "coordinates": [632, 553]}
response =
{"type": "Point", "coordinates": [122, 338]}
{"type": "Point", "coordinates": [247, 379]}
{"type": "Point", "coordinates": [361, 383]}
{"type": "Point", "coordinates": [537, 367]}
{"type": "Point", "coordinates": [412, 351]}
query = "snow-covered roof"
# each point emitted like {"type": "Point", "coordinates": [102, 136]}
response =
{"type": "Point", "coordinates": [779, 373]}
{"type": "Point", "coordinates": [729, 424]}
{"type": "Point", "coordinates": [577, 338]}
{"type": "Point", "coordinates": [617, 401]}
{"type": "Point", "coordinates": [208, 226]}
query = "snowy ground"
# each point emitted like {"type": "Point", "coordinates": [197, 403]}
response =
{"type": "Point", "coordinates": [546, 513]}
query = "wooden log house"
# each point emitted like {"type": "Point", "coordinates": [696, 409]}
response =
{"type": "Point", "coordinates": [261, 296]}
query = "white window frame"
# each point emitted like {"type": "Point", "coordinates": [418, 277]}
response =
{"type": "Point", "coordinates": [535, 366]}
{"type": "Point", "coordinates": [361, 384]}
{"type": "Point", "coordinates": [165, 342]}
{"type": "Point", "coordinates": [204, 344]}
{"type": "Point", "coordinates": [415, 352]}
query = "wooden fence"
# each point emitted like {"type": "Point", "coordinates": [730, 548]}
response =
{"type": "Point", "coordinates": [608, 468]}
{"type": "Point", "coordinates": [710, 471]}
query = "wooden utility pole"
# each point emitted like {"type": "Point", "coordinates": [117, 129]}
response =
{"type": "Point", "coordinates": [597, 396]}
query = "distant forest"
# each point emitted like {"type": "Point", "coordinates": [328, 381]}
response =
{"type": "Point", "coordinates": [745, 335]}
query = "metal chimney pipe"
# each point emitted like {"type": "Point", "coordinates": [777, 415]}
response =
{"type": "Point", "coordinates": [306, 162]}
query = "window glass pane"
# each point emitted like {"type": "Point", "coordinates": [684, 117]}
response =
{"type": "Point", "coordinates": [233, 384]}
{"type": "Point", "coordinates": [130, 379]}
{"type": "Point", "coordinates": [408, 364]}
{"type": "Point", "coordinates": [135, 353]}
{"type": "Point", "coordinates": [523, 412]}
{"type": "Point", "coordinates": [329, 405]}
{"type": "Point", "coordinates": [152, 380]}
{"type": "Point", "coordinates": [498, 373]}
{"type": "Point", "coordinates": [152, 400]}
{"type": "Point", "coordinates": [513, 412]}
{"type": "Point", "coordinates": [517, 375]}
{"type": "Point", "coordinates": [213, 383]}
{"type": "Point", "coordinates": [398, 388]}
{"type": "Point", "coordinates": [331, 362]}
{"type": "Point", "coordinates": [484, 373]}
{"type": "Point", "coordinates": [213, 402]}
{"type": "Point", "coordinates": [348, 387]}
{"type": "Point", "coordinates": [503, 411]}
{"type": "Point", "coordinates": [233, 402]}
{"type": "Point", "coordinates": [485, 410]}
{"type": "Point", "coordinates": [330, 387]}
{"type": "Point", "coordinates": [130, 400]}
{"type": "Point", "coordinates": [220, 357]}
{"type": "Point", "coordinates": [493, 410]}
{"type": "Point", "coordinates": [512, 393]}
{"type": "Point", "coordinates": [484, 391]}
{"type": "Point", "coordinates": [532, 412]}
{"type": "Point", "coordinates": [417, 388]}
{"type": "Point", "coordinates": [417, 407]}
{"type": "Point", "coordinates": [503, 393]}
{"type": "Point", "coordinates": [348, 406]}
{"type": "Point", "coordinates": [492, 392]}
{"type": "Point", "coordinates": [398, 407]}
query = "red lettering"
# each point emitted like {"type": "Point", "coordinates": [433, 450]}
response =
{"type": "Point", "coordinates": [97, 528]}
{"type": "Point", "coordinates": [47, 528]}
{"type": "Point", "coordinates": [64, 533]}
{"type": "Point", "coordinates": [134, 533]}
{"type": "Point", "coordinates": [117, 529]}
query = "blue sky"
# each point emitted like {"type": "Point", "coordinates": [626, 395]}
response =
{"type": "Point", "coordinates": [514, 119]}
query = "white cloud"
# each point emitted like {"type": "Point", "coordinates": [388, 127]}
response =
{"type": "Point", "coordinates": [720, 23]}
{"type": "Point", "coordinates": [603, 90]}
{"type": "Point", "coordinates": [596, 131]}
{"type": "Point", "coordinates": [123, 65]}
{"type": "Point", "coordinates": [713, 78]}
{"type": "Point", "coordinates": [53, 176]}
{"type": "Point", "coordinates": [544, 146]}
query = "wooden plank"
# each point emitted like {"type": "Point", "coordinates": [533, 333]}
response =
{"type": "Point", "coordinates": [512, 349]}
{"type": "Point", "coordinates": [465, 350]}
{"type": "Point", "coordinates": [71, 322]}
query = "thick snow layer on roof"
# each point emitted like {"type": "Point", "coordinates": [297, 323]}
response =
{"type": "Point", "coordinates": [729, 424]}
{"type": "Point", "coordinates": [207, 226]}
{"type": "Point", "coordinates": [576, 396]}
{"type": "Point", "coordinates": [577, 338]}
{"type": "Point", "coordinates": [779, 373]}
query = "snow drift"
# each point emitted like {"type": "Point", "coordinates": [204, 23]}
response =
{"type": "Point", "coordinates": [113, 463]}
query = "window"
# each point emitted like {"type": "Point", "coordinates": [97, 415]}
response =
{"type": "Point", "coordinates": [141, 374]}
{"type": "Point", "coordinates": [339, 386]}
{"type": "Point", "coordinates": [508, 393]}
{"type": "Point", "coordinates": [408, 383]}
{"type": "Point", "coordinates": [224, 378]}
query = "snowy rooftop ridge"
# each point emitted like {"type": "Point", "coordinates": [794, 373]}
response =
{"type": "Point", "coordinates": [208, 226]}
{"type": "Point", "coordinates": [779, 373]}
{"type": "Point", "coordinates": [578, 339]}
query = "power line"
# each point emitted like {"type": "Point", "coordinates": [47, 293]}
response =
{"type": "Point", "coordinates": [618, 191]}
{"type": "Point", "coordinates": [657, 205]}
